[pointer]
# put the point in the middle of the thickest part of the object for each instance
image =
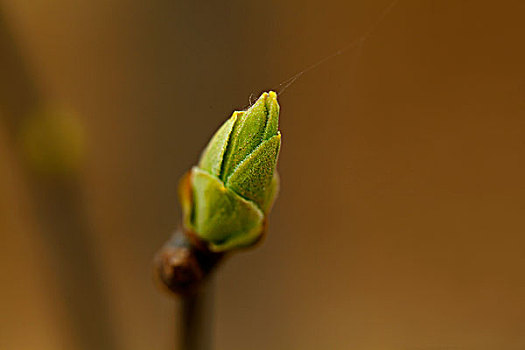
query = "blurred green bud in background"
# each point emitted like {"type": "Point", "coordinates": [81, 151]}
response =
{"type": "Point", "coordinates": [52, 142]}
{"type": "Point", "coordinates": [228, 195]}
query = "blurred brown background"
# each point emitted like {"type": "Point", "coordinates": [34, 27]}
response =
{"type": "Point", "coordinates": [401, 220]}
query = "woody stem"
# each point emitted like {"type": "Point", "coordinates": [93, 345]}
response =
{"type": "Point", "coordinates": [196, 319]}
{"type": "Point", "coordinates": [184, 267]}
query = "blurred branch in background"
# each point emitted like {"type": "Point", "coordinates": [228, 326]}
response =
{"type": "Point", "coordinates": [48, 147]}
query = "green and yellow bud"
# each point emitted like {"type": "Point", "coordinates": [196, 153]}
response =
{"type": "Point", "coordinates": [236, 182]}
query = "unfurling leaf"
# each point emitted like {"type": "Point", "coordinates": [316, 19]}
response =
{"type": "Point", "coordinates": [236, 182]}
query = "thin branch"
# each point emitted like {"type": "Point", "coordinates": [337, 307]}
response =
{"type": "Point", "coordinates": [183, 266]}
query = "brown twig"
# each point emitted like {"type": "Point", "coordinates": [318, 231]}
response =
{"type": "Point", "coordinates": [184, 263]}
{"type": "Point", "coordinates": [184, 266]}
{"type": "Point", "coordinates": [196, 318]}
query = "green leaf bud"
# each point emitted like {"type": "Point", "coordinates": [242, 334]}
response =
{"type": "Point", "coordinates": [236, 182]}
